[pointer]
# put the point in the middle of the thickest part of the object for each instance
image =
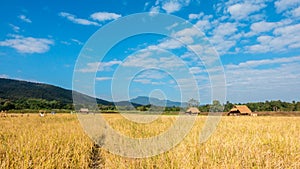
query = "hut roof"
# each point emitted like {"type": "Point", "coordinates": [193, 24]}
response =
{"type": "Point", "coordinates": [241, 108]}
{"type": "Point", "coordinates": [193, 110]}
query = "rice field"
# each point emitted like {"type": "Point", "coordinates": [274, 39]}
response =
{"type": "Point", "coordinates": [58, 141]}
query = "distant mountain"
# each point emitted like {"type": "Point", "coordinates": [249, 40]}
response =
{"type": "Point", "coordinates": [144, 100]}
{"type": "Point", "coordinates": [16, 89]}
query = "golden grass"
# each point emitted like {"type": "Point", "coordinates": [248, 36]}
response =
{"type": "Point", "coordinates": [50, 142]}
{"type": "Point", "coordinates": [239, 142]}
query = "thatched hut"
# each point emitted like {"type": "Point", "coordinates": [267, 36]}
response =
{"type": "Point", "coordinates": [240, 110]}
{"type": "Point", "coordinates": [192, 110]}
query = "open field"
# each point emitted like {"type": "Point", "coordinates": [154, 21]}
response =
{"type": "Point", "coordinates": [58, 141]}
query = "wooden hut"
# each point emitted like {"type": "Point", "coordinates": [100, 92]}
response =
{"type": "Point", "coordinates": [240, 110]}
{"type": "Point", "coordinates": [192, 110]}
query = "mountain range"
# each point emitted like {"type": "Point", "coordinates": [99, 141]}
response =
{"type": "Point", "coordinates": [16, 89]}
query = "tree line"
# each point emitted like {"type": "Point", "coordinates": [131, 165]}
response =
{"type": "Point", "coordinates": [216, 106]}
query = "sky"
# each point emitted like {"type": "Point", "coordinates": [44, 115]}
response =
{"type": "Point", "coordinates": [256, 42]}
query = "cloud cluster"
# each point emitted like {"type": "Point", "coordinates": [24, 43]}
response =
{"type": "Point", "coordinates": [28, 44]}
{"type": "Point", "coordinates": [282, 5]}
{"type": "Point", "coordinates": [76, 20]}
{"type": "Point", "coordinates": [169, 6]}
{"type": "Point", "coordinates": [243, 10]}
{"type": "Point", "coordinates": [266, 76]}
{"type": "Point", "coordinates": [244, 27]}
{"type": "Point", "coordinates": [105, 16]}
{"type": "Point", "coordinates": [98, 16]}
{"type": "Point", "coordinates": [99, 66]}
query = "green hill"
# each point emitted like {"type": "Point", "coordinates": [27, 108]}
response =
{"type": "Point", "coordinates": [15, 90]}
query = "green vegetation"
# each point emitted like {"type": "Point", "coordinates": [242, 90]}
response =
{"type": "Point", "coordinates": [20, 95]}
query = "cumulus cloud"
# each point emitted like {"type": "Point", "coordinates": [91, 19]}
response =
{"type": "Point", "coordinates": [196, 16]}
{"type": "Point", "coordinates": [24, 18]}
{"type": "Point", "coordinates": [171, 7]}
{"type": "Point", "coordinates": [243, 10]}
{"type": "Point", "coordinates": [223, 35]}
{"type": "Point", "coordinates": [282, 39]}
{"type": "Point", "coordinates": [76, 20]}
{"type": "Point", "coordinates": [282, 5]}
{"type": "Point", "coordinates": [296, 12]}
{"type": "Point", "coordinates": [154, 10]}
{"type": "Point", "coordinates": [262, 26]}
{"type": "Point", "coordinates": [105, 16]}
{"type": "Point", "coordinates": [28, 44]}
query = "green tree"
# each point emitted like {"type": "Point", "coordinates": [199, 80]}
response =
{"type": "Point", "coordinates": [216, 106]}
{"type": "Point", "coordinates": [8, 105]}
{"type": "Point", "coordinates": [228, 106]}
{"type": "Point", "coordinates": [193, 103]}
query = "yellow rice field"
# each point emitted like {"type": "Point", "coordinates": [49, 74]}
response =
{"type": "Point", "coordinates": [58, 141]}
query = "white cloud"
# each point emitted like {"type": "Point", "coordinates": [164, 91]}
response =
{"type": "Point", "coordinates": [103, 78]}
{"type": "Point", "coordinates": [171, 6]}
{"type": "Point", "coordinates": [77, 41]}
{"type": "Point", "coordinates": [288, 30]}
{"type": "Point", "coordinates": [149, 76]}
{"type": "Point", "coordinates": [192, 32]}
{"type": "Point", "coordinates": [99, 66]}
{"type": "Point", "coordinates": [154, 10]}
{"type": "Point", "coordinates": [151, 59]}
{"type": "Point", "coordinates": [222, 34]}
{"type": "Point", "coordinates": [258, 48]}
{"type": "Point", "coordinates": [4, 76]}
{"type": "Point", "coordinates": [196, 70]}
{"type": "Point", "coordinates": [282, 5]}
{"type": "Point", "coordinates": [105, 16]}
{"type": "Point", "coordinates": [284, 38]}
{"type": "Point", "coordinates": [243, 10]}
{"type": "Point", "coordinates": [15, 28]}
{"type": "Point", "coordinates": [28, 44]}
{"type": "Point", "coordinates": [296, 12]}
{"type": "Point", "coordinates": [256, 63]}
{"type": "Point", "coordinates": [196, 16]}
{"type": "Point", "coordinates": [276, 78]}
{"type": "Point", "coordinates": [65, 42]}
{"type": "Point", "coordinates": [263, 26]}
{"type": "Point", "coordinates": [203, 25]}
{"type": "Point", "coordinates": [225, 29]}
{"type": "Point", "coordinates": [143, 81]}
{"type": "Point", "coordinates": [24, 18]}
{"type": "Point", "coordinates": [169, 44]}
{"type": "Point", "coordinates": [76, 20]}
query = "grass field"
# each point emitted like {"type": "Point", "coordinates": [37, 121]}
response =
{"type": "Point", "coordinates": [58, 141]}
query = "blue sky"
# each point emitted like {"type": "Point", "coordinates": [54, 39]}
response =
{"type": "Point", "coordinates": [258, 43]}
